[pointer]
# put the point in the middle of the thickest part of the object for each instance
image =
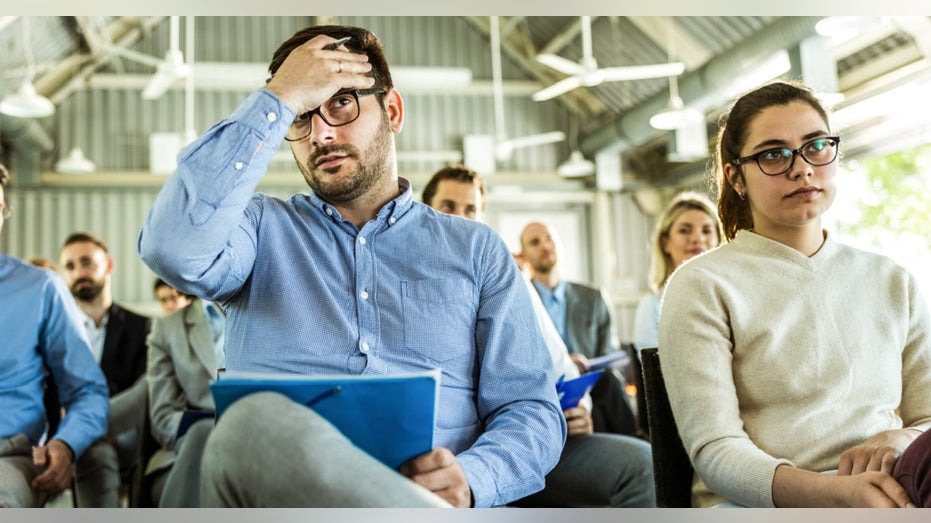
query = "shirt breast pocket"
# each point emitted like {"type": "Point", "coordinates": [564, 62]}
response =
{"type": "Point", "coordinates": [439, 318]}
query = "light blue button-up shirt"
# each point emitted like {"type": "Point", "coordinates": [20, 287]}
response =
{"type": "Point", "coordinates": [41, 330]}
{"type": "Point", "coordinates": [555, 302]}
{"type": "Point", "coordinates": [413, 289]}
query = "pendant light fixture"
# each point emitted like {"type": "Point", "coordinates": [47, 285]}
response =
{"type": "Point", "coordinates": [75, 163]}
{"type": "Point", "coordinates": [26, 102]}
{"type": "Point", "coordinates": [675, 115]}
{"type": "Point", "coordinates": [576, 165]}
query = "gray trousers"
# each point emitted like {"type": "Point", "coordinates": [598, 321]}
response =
{"type": "Point", "coordinates": [17, 473]}
{"type": "Point", "coordinates": [99, 470]}
{"type": "Point", "coordinates": [182, 482]}
{"type": "Point", "coordinates": [268, 451]}
{"type": "Point", "coordinates": [599, 470]}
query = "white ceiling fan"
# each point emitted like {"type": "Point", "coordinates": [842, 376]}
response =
{"type": "Point", "coordinates": [505, 146]}
{"type": "Point", "coordinates": [586, 72]}
{"type": "Point", "coordinates": [167, 71]}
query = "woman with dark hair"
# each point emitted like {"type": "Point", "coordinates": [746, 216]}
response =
{"type": "Point", "coordinates": [798, 368]}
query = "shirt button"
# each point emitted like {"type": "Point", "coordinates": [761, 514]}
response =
{"type": "Point", "coordinates": [328, 211]}
{"type": "Point", "coordinates": [364, 295]}
{"type": "Point", "coordinates": [271, 117]}
{"type": "Point", "coordinates": [365, 346]}
{"type": "Point", "coordinates": [362, 240]}
{"type": "Point", "coordinates": [238, 166]}
{"type": "Point", "coordinates": [391, 220]}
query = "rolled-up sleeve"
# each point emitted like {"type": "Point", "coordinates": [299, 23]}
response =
{"type": "Point", "coordinates": [200, 213]}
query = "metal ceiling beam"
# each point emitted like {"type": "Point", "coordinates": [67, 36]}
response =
{"type": "Point", "coordinates": [73, 71]}
{"type": "Point", "coordinates": [688, 50]}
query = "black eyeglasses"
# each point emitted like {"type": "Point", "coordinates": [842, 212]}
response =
{"type": "Point", "coordinates": [779, 160]}
{"type": "Point", "coordinates": [340, 110]}
{"type": "Point", "coordinates": [5, 211]}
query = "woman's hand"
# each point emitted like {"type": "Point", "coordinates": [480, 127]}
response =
{"type": "Point", "coordinates": [793, 487]}
{"type": "Point", "coordinates": [878, 453]}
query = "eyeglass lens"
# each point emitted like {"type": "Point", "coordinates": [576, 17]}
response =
{"type": "Point", "coordinates": [339, 110]}
{"type": "Point", "coordinates": [821, 151]}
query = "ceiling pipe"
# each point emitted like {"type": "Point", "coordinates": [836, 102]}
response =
{"type": "Point", "coordinates": [705, 88]}
{"type": "Point", "coordinates": [25, 133]}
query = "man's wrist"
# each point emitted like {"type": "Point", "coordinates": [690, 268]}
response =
{"type": "Point", "coordinates": [66, 446]}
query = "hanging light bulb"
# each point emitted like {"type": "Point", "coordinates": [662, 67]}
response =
{"type": "Point", "coordinates": [26, 103]}
{"type": "Point", "coordinates": [675, 115]}
{"type": "Point", "coordinates": [576, 164]}
{"type": "Point", "coordinates": [75, 163]}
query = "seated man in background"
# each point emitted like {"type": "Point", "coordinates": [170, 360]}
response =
{"type": "Point", "coordinates": [595, 468]}
{"type": "Point", "coordinates": [582, 317]}
{"type": "Point", "coordinates": [349, 279]}
{"type": "Point", "coordinates": [185, 351]}
{"type": "Point", "coordinates": [43, 342]}
{"type": "Point", "coordinates": [117, 338]}
{"type": "Point", "coordinates": [169, 298]}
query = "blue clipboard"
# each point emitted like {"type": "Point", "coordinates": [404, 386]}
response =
{"type": "Point", "coordinates": [571, 392]}
{"type": "Point", "coordinates": [389, 417]}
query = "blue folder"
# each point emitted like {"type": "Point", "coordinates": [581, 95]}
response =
{"type": "Point", "coordinates": [389, 417]}
{"type": "Point", "coordinates": [571, 392]}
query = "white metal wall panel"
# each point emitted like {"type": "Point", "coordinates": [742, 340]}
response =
{"type": "Point", "coordinates": [44, 218]}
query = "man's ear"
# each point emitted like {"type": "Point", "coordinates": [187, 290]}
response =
{"type": "Point", "coordinates": [394, 107]}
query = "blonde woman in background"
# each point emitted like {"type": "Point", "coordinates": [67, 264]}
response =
{"type": "Point", "coordinates": [687, 227]}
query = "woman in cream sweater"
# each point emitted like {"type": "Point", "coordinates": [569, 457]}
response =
{"type": "Point", "coordinates": [788, 355]}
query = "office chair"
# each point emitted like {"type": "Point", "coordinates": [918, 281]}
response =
{"type": "Point", "coordinates": [672, 470]}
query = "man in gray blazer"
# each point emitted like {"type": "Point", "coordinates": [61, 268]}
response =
{"type": "Point", "coordinates": [185, 351]}
{"type": "Point", "coordinates": [583, 320]}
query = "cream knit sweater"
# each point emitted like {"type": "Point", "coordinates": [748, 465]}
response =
{"type": "Point", "coordinates": [773, 357]}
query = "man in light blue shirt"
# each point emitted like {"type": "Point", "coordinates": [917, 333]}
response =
{"type": "Point", "coordinates": [354, 277]}
{"type": "Point", "coordinates": [43, 340]}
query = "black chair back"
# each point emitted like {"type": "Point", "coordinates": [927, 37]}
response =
{"type": "Point", "coordinates": [672, 470]}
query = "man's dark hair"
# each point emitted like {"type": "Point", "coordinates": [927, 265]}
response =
{"type": "Point", "coordinates": [362, 41]}
{"type": "Point", "coordinates": [459, 173]}
{"type": "Point", "coordinates": [162, 283]}
{"type": "Point", "coordinates": [85, 237]}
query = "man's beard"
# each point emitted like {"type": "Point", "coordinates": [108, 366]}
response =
{"type": "Point", "coordinates": [88, 292]}
{"type": "Point", "coordinates": [371, 166]}
{"type": "Point", "coordinates": [544, 265]}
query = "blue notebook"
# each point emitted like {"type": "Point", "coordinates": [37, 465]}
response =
{"type": "Point", "coordinates": [389, 417]}
{"type": "Point", "coordinates": [571, 392]}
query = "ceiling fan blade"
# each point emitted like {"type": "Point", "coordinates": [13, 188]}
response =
{"type": "Point", "coordinates": [504, 148]}
{"type": "Point", "coordinates": [536, 139]}
{"type": "Point", "coordinates": [560, 87]}
{"type": "Point", "coordinates": [642, 72]}
{"type": "Point", "coordinates": [561, 64]}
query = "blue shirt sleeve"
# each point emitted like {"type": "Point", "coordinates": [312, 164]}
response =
{"type": "Point", "coordinates": [200, 209]}
{"type": "Point", "coordinates": [81, 384]}
{"type": "Point", "coordinates": [524, 434]}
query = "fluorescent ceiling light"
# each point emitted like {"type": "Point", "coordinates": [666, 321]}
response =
{"type": "Point", "coordinates": [75, 163]}
{"type": "Point", "coordinates": [26, 103]}
{"type": "Point", "coordinates": [576, 165]}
